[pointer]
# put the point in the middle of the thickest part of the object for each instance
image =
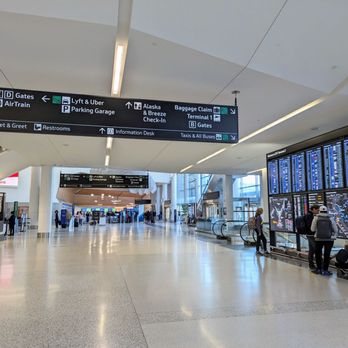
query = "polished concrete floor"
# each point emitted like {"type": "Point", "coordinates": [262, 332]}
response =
{"type": "Point", "coordinates": [160, 286]}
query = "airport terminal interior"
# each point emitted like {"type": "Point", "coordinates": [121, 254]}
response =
{"type": "Point", "coordinates": [173, 173]}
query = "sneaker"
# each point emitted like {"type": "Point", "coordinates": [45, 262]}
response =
{"type": "Point", "coordinates": [316, 271]}
{"type": "Point", "coordinates": [326, 273]}
{"type": "Point", "coordinates": [258, 253]}
{"type": "Point", "coordinates": [267, 253]}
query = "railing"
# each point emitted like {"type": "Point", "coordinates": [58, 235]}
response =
{"type": "Point", "coordinates": [227, 228]}
{"type": "Point", "coordinates": [203, 191]}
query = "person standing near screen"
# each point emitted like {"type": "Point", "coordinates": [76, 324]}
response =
{"type": "Point", "coordinates": [259, 233]}
{"type": "Point", "coordinates": [308, 219]}
{"type": "Point", "coordinates": [325, 230]}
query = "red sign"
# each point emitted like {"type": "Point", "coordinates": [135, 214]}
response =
{"type": "Point", "coordinates": [10, 181]}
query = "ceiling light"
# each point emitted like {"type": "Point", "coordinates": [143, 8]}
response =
{"type": "Point", "coordinates": [118, 69]}
{"type": "Point", "coordinates": [212, 155]}
{"type": "Point", "coordinates": [92, 194]}
{"type": "Point", "coordinates": [109, 143]}
{"type": "Point", "coordinates": [107, 160]}
{"type": "Point", "coordinates": [96, 201]}
{"type": "Point", "coordinates": [256, 170]}
{"type": "Point", "coordinates": [186, 168]}
{"type": "Point", "coordinates": [283, 119]}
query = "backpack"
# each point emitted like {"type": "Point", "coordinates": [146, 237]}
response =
{"type": "Point", "coordinates": [324, 228]}
{"type": "Point", "coordinates": [252, 223]}
{"type": "Point", "coordinates": [342, 256]}
{"type": "Point", "coordinates": [300, 224]}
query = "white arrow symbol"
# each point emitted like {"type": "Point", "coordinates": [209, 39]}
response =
{"type": "Point", "coordinates": [129, 105]}
{"type": "Point", "coordinates": [45, 98]}
{"type": "Point", "coordinates": [102, 130]}
{"type": "Point", "coordinates": [233, 111]}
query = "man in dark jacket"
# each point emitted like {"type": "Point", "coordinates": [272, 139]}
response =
{"type": "Point", "coordinates": [314, 210]}
{"type": "Point", "coordinates": [11, 223]}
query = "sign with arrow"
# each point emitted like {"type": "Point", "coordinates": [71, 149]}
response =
{"type": "Point", "coordinates": [103, 181]}
{"type": "Point", "coordinates": [25, 111]}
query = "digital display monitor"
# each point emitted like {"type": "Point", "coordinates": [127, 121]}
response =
{"type": "Point", "coordinates": [315, 198]}
{"type": "Point", "coordinates": [314, 169]}
{"type": "Point", "coordinates": [281, 214]}
{"type": "Point", "coordinates": [284, 175]}
{"type": "Point", "coordinates": [298, 172]}
{"type": "Point", "coordinates": [333, 165]}
{"type": "Point", "coordinates": [345, 149]}
{"type": "Point", "coordinates": [300, 205]}
{"type": "Point", "coordinates": [337, 205]}
{"type": "Point", "coordinates": [273, 179]}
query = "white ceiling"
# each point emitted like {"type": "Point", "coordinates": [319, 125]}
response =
{"type": "Point", "coordinates": [185, 51]}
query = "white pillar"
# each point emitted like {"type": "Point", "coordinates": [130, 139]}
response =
{"type": "Point", "coordinates": [45, 203]}
{"type": "Point", "coordinates": [34, 196]}
{"type": "Point", "coordinates": [164, 198]}
{"type": "Point", "coordinates": [174, 196]}
{"type": "Point", "coordinates": [264, 194]}
{"type": "Point", "coordinates": [228, 204]}
{"type": "Point", "coordinates": [158, 199]}
{"type": "Point", "coordinates": [186, 189]}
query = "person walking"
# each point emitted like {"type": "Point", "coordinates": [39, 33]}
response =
{"type": "Point", "coordinates": [56, 218]}
{"type": "Point", "coordinates": [308, 219]}
{"type": "Point", "coordinates": [325, 230]}
{"type": "Point", "coordinates": [259, 233]}
{"type": "Point", "coordinates": [12, 223]}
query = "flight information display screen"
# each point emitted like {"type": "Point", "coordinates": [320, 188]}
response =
{"type": "Point", "coordinates": [298, 172]}
{"type": "Point", "coordinates": [281, 214]}
{"type": "Point", "coordinates": [315, 198]}
{"type": "Point", "coordinates": [285, 175]}
{"type": "Point", "coordinates": [337, 205]}
{"type": "Point", "coordinates": [300, 205]}
{"type": "Point", "coordinates": [333, 165]}
{"type": "Point", "coordinates": [273, 179]}
{"type": "Point", "coordinates": [314, 169]}
{"type": "Point", "coordinates": [345, 149]}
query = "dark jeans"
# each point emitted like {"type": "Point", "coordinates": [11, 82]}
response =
{"type": "Point", "coordinates": [327, 251]}
{"type": "Point", "coordinates": [311, 251]}
{"type": "Point", "coordinates": [11, 230]}
{"type": "Point", "coordinates": [261, 237]}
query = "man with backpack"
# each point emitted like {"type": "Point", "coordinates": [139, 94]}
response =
{"type": "Point", "coordinates": [325, 232]}
{"type": "Point", "coordinates": [308, 219]}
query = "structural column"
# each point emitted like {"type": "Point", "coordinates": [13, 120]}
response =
{"type": "Point", "coordinates": [174, 196]}
{"type": "Point", "coordinates": [164, 198]}
{"type": "Point", "coordinates": [45, 203]}
{"type": "Point", "coordinates": [228, 195]}
{"type": "Point", "coordinates": [186, 188]}
{"type": "Point", "coordinates": [264, 194]}
{"type": "Point", "coordinates": [158, 199]}
{"type": "Point", "coordinates": [34, 197]}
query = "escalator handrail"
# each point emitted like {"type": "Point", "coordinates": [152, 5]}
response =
{"type": "Point", "coordinates": [224, 224]}
{"type": "Point", "coordinates": [214, 223]}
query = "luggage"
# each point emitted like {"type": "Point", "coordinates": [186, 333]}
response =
{"type": "Point", "coordinates": [76, 223]}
